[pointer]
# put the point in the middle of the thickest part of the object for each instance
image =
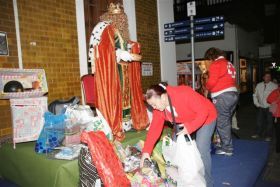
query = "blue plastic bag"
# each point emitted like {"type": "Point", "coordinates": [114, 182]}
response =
{"type": "Point", "coordinates": [52, 133]}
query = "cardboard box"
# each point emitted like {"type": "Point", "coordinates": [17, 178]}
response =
{"type": "Point", "coordinates": [28, 118]}
{"type": "Point", "coordinates": [33, 81]}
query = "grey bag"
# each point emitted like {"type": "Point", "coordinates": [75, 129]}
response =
{"type": "Point", "coordinates": [59, 106]}
{"type": "Point", "coordinates": [88, 173]}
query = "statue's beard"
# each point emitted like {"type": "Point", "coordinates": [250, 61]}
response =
{"type": "Point", "coordinates": [119, 21]}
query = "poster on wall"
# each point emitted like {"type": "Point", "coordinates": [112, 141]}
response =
{"type": "Point", "coordinates": [4, 51]}
{"type": "Point", "coordinates": [243, 63]}
{"type": "Point", "coordinates": [147, 69]}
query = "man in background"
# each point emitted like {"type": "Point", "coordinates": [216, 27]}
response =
{"type": "Point", "coordinates": [264, 116]}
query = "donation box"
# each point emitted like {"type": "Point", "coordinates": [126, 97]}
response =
{"type": "Point", "coordinates": [28, 118]}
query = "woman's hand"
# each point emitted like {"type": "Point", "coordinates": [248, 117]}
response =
{"type": "Point", "coordinates": [144, 156]}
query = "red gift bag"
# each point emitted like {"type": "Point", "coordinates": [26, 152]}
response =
{"type": "Point", "coordinates": [105, 159]}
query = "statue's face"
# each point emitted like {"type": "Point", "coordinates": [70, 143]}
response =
{"type": "Point", "coordinates": [119, 21]}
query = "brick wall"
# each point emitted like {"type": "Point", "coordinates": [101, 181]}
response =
{"type": "Point", "coordinates": [147, 35]}
{"type": "Point", "coordinates": [7, 24]}
{"type": "Point", "coordinates": [52, 26]}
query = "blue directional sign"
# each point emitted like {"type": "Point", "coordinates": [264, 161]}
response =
{"type": "Point", "coordinates": [209, 34]}
{"type": "Point", "coordinates": [197, 21]}
{"type": "Point", "coordinates": [200, 35]}
{"type": "Point", "coordinates": [197, 28]}
{"type": "Point", "coordinates": [204, 28]}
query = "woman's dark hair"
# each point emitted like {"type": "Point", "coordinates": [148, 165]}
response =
{"type": "Point", "coordinates": [213, 53]}
{"type": "Point", "coordinates": [156, 90]}
{"type": "Point", "coordinates": [267, 73]}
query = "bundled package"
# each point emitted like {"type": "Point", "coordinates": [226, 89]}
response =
{"type": "Point", "coordinates": [151, 175]}
{"type": "Point", "coordinates": [156, 156]}
{"type": "Point", "coordinates": [148, 176]}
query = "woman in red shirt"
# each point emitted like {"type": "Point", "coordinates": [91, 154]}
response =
{"type": "Point", "coordinates": [274, 99]}
{"type": "Point", "coordinates": [191, 109]}
{"type": "Point", "coordinates": [224, 94]}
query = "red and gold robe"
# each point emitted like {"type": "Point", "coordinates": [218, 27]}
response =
{"type": "Point", "coordinates": [108, 87]}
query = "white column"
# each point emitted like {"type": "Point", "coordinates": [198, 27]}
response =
{"type": "Point", "coordinates": [167, 49]}
{"type": "Point", "coordinates": [20, 64]}
{"type": "Point", "coordinates": [129, 9]}
{"type": "Point", "coordinates": [81, 31]}
{"type": "Point", "coordinates": [82, 45]}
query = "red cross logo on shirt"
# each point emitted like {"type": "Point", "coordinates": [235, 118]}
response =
{"type": "Point", "coordinates": [231, 70]}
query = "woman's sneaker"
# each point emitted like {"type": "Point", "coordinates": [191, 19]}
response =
{"type": "Point", "coordinates": [267, 139]}
{"type": "Point", "coordinates": [222, 152]}
{"type": "Point", "coordinates": [255, 136]}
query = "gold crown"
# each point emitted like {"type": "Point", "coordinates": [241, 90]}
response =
{"type": "Point", "coordinates": [115, 8]}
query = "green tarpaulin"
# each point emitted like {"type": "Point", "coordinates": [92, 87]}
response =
{"type": "Point", "coordinates": [28, 169]}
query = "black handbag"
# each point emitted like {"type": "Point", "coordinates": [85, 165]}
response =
{"type": "Point", "coordinates": [58, 106]}
{"type": "Point", "coordinates": [88, 173]}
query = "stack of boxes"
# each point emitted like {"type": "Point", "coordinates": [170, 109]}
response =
{"type": "Point", "coordinates": [28, 105]}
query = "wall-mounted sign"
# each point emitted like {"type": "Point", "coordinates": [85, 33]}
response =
{"type": "Point", "coordinates": [243, 63]}
{"type": "Point", "coordinates": [4, 51]}
{"type": "Point", "coordinates": [147, 69]}
{"type": "Point", "coordinates": [191, 8]}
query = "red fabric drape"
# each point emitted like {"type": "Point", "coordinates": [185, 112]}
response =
{"type": "Point", "coordinates": [107, 82]}
{"type": "Point", "coordinates": [138, 108]}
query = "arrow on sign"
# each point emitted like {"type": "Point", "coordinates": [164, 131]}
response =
{"type": "Point", "coordinates": [207, 34]}
{"type": "Point", "coordinates": [196, 21]}
{"type": "Point", "coordinates": [198, 28]}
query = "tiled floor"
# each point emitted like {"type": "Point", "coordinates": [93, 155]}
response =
{"type": "Point", "coordinates": [246, 116]}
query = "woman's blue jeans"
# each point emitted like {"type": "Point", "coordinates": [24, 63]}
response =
{"type": "Point", "coordinates": [203, 142]}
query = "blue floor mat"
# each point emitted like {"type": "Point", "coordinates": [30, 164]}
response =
{"type": "Point", "coordinates": [5, 183]}
{"type": "Point", "coordinates": [244, 167]}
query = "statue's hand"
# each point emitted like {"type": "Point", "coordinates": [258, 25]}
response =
{"type": "Point", "coordinates": [126, 56]}
{"type": "Point", "coordinates": [123, 55]}
{"type": "Point", "coordinates": [136, 57]}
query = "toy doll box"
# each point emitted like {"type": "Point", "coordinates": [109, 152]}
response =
{"type": "Point", "coordinates": [34, 82]}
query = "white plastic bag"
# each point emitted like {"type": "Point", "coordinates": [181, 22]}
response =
{"type": "Point", "coordinates": [98, 123]}
{"type": "Point", "coordinates": [79, 114]}
{"type": "Point", "coordinates": [82, 115]}
{"type": "Point", "coordinates": [186, 157]}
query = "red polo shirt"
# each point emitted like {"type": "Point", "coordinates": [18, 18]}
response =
{"type": "Point", "coordinates": [221, 75]}
{"type": "Point", "coordinates": [274, 97]}
{"type": "Point", "coordinates": [190, 108]}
